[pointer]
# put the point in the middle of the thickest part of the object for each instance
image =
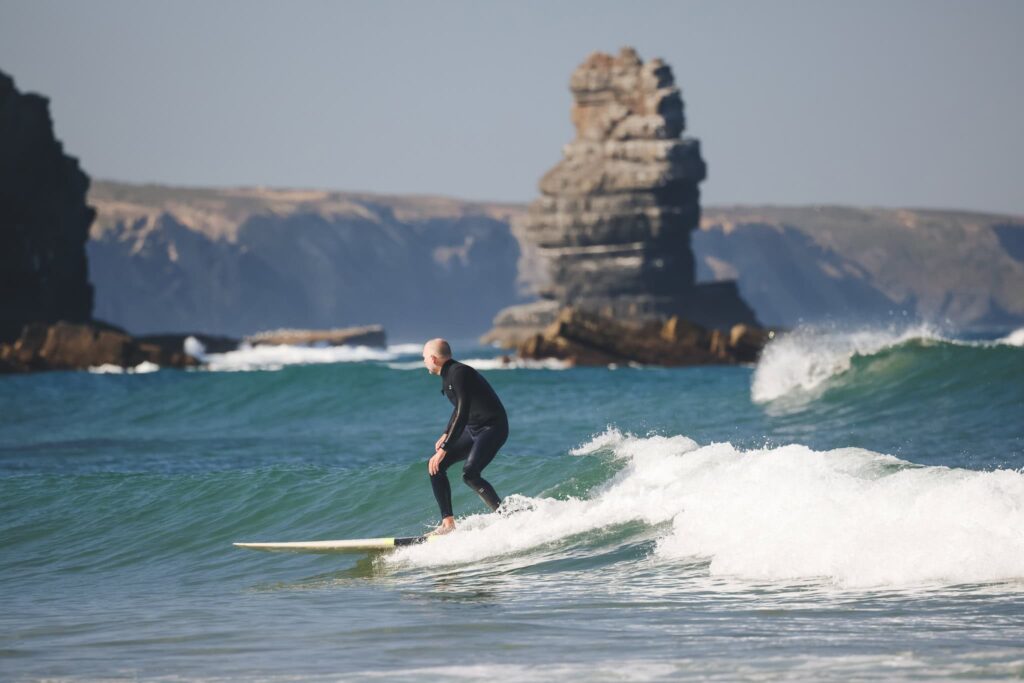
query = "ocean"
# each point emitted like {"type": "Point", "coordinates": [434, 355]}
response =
{"type": "Point", "coordinates": [850, 508]}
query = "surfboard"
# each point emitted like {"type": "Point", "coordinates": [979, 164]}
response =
{"type": "Point", "coordinates": [353, 545]}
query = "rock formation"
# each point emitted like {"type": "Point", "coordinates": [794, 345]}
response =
{"type": "Point", "coordinates": [586, 338]}
{"type": "Point", "coordinates": [44, 220]}
{"type": "Point", "coordinates": [46, 299]}
{"type": "Point", "coordinates": [368, 335]}
{"type": "Point", "coordinates": [614, 218]}
{"type": "Point", "coordinates": [70, 346]}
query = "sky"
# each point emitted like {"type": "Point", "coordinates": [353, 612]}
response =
{"type": "Point", "coordinates": [873, 103]}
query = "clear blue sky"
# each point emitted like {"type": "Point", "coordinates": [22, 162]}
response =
{"type": "Point", "coordinates": [883, 103]}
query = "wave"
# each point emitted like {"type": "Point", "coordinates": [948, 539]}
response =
{"type": "Point", "coordinates": [268, 357]}
{"type": "Point", "coordinates": [1015, 338]}
{"type": "Point", "coordinates": [848, 517]}
{"type": "Point", "coordinates": [801, 365]}
{"type": "Point", "coordinates": [712, 513]}
{"type": "Point", "coordinates": [110, 369]}
{"type": "Point", "coordinates": [406, 349]}
{"type": "Point", "coordinates": [804, 359]}
{"type": "Point", "coordinates": [499, 363]}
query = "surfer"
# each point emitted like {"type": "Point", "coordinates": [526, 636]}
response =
{"type": "Point", "coordinates": [477, 429]}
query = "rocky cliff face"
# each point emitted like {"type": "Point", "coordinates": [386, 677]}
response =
{"type": "Point", "coordinates": [237, 261]}
{"type": "Point", "coordinates": [44, 219]}
{"type": "Point", "coordinates": [613, 223]}
{"type": "Point", "coordinates": [821, 263]}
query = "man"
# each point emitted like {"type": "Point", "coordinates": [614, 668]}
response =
{"type": "Point", "coordinates": [477, 429]}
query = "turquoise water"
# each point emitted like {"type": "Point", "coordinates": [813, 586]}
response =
{"type": "Point", "coordinates": [853, 507]}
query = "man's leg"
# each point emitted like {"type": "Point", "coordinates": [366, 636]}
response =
{"type": "Point", "coordinates": [457, 452]}
{"type": "Point", "coordinates": [485, 446]}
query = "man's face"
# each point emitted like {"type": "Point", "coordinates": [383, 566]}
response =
{"type": "Point", "coordinates": [429, 361]}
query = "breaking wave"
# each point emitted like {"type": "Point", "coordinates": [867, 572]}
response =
{"type": "Point", "coordinates": [276, 357]}
{"type": "Point", "coordinates": [804, 364]}
{"type": "Point", "coordinates": [848, 517]}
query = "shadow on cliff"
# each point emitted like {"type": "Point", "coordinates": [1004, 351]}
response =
{"type": "Point", "coordinates": [307, 269]}
{"type": "Point", "coordinates": [787, 277]}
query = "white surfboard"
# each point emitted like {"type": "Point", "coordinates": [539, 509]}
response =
{"type": "Point", "coordinates": [354, 545]}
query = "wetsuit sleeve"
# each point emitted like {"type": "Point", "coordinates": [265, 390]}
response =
{"type": "Point", "coordinates": [460, 416]}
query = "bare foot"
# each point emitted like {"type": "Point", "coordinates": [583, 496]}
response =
{"type": "Point", "coordinates": [446, 527]}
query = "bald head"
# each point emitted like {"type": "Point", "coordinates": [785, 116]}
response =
{"type": "Point", "coordinates": [435, 353]}
{"type": "Point", "coordinates": [438, 347]}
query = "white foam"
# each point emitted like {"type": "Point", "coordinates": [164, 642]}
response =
{"type": "Point", "coordinates": [631, 495]}
{"type": "Point", "coordinates": [406, 349]}
{"type": "Point", "coordinates": [194, 348]}
{"type": "Point", "coordinates": [848, 517]}
{"type": "Point", "coordinates": [1015, 338]}
{"type": "Point", "coordinates": [513, 363]}
{"type": "Point", "coordinates": [111, 369]}
{"type": "Point", "coordinates": [801, 361]}
{"type": "Point", "coordinates": [499, 363]}
{"type": "Point", "coordinates": [107, 369]}
{"type": "Point", "coordinates": [407, 365]}
{"type": "Point", "coordinates": [267, 357]}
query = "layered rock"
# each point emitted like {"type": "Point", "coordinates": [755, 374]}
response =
{"type": "Point", "coordinates": [613, 222]}
{"type": "Point", "coordinates": [44, 219]}
{"type": "Point", "coordinates": [582, 337]}
{"type": "Point", "coordinates": [367, 335]}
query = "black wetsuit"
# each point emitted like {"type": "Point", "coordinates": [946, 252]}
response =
{"type": "Point", "coordinates": [477, 429]}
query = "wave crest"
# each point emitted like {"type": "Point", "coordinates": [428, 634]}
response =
{"type": "Point", "coordinates": [850, 517]}
{"type": "Point", "coordinates": [803, 360]}
{"type": "Point", "coordinates": [275, 357]}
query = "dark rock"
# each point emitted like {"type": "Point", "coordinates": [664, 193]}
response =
{"type": "Point", "coordinates": [74, 346]}
{"type": "Point", "coordinates": [369, 335]}
{"type": "Point", "coordinates": [44, 219]}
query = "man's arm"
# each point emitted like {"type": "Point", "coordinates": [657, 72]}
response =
{"type": "Point", "coordinates": [460, 416]}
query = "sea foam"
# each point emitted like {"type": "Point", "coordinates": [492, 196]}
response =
{"type": "Point", "coordinates": [109, 369]}
{"type": "Point", "coordinates": [275, 357]}
{"type": "Point", "coordinates": [1015, 338]}
{"type": "Point", "coordinates": [499, 363]}
{"type": "Point", "coordinates": [847, 517]}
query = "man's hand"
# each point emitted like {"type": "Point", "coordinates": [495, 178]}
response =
{"type": "Point", "coordinates": [437, 446]}
{"type": "Point", "coordinates": [434, 464]}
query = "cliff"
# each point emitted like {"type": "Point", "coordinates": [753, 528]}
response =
{"type": "Point", "coordinates": [816, 263]}
{"type": "Point", "coordinates": [44, 219]}
{"type": "Point", "coordinates": [190, 251]}
{"type": "Point", "coordinates": [240, 260]}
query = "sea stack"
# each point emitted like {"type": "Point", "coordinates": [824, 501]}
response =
{"type": "Point", "coordinates": [612, 225]}
{"type": "Point", "coordinates": [44, 219]}
{"type": "Point", "coordinates": [46, 312]}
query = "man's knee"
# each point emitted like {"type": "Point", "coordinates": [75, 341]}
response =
{"type": "Point", "coordinates": [471, 477]}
